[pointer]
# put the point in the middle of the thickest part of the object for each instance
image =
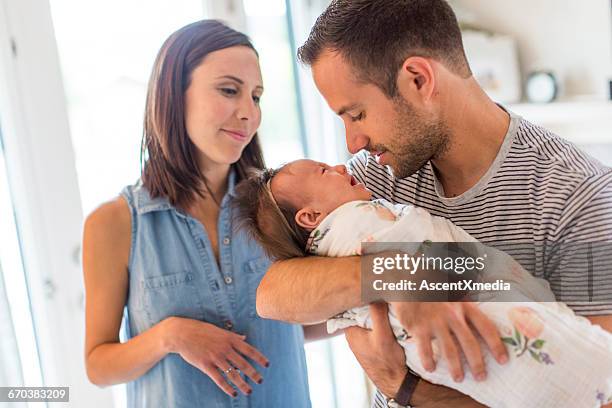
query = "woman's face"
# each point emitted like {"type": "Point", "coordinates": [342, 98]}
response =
{"type": "Point", "coordinates": [222, 105]}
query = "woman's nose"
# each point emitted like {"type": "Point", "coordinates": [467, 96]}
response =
{"type": "Point", "coordinates": [246, 109]}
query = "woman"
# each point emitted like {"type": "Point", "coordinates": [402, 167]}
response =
{"type": "Point", "coordinates": [168, 252]}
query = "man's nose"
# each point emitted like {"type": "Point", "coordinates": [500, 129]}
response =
{"type": "Point", "coordinates": [356, 141]}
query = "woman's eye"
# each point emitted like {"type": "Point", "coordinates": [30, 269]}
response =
{"type": "Point", "coordinates": [357, 118]}
{"type": "Point", "coordinates": [256, 99]}
{"type": "Point", "coordinates": [229, 91]}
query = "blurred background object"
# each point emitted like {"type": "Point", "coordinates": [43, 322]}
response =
{"type": "Point", "coordinates": [494, 63]}
{"type": "Point", "coordinates": [541, 87]}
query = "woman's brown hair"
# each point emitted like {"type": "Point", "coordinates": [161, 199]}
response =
{"type": "Point", "coordinates": [262, 217]}
{"type": "Point", "coordinates": [168, 156]}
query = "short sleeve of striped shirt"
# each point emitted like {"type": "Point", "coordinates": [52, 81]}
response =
{"type": "Point", "coordinates": [580, 265]}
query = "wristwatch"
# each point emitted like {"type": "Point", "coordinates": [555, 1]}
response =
{"type": "Point", "coordinates": [404, 394]}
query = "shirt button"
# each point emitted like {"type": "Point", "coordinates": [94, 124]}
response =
{"type": "Point", "coordinates": [226, 241]}
{"type": "Point", "coordinates": [228, 280]}
{"type": "Point", "coordinates": [229, 325]}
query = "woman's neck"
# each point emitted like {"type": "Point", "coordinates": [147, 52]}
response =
{"type": "Point", "coordinates": [216, 180]}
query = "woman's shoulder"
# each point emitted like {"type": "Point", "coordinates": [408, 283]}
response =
{"type": "Point", "coordinates": [107, 236]}
{"type": "Point", "coordinates": [112, 219]}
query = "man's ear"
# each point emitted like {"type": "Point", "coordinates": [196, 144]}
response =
{"type": "Point", "coordinates": [308, 218]}
{"type": "Point", "coordinates": [416, 81]}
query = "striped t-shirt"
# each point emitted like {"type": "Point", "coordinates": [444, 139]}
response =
{"type": "Point", "coordinates": [542, 200]}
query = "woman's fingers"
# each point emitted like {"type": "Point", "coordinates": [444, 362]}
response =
{"type": "Point", "coordinates": [251, 352]}
{"type": "Point", "coordinates": [233, 374]}
{"type": "Point", "coordinates": [244, 366]}
{"type": "Point", "coordinates": [221, 382]}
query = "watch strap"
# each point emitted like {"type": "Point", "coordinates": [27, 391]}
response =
{"type": "Point", "coordinates": [404, 394]}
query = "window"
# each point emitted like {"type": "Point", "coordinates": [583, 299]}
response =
{"type": "Point", "coordinates": [281, 131]}
{"type": "Point", "coordinates": [107, 50]}
{"type": "Point", "coordinates": [20, 363]}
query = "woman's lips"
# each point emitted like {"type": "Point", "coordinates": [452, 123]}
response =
{"type": "Point", "coordinates": [235, 134]}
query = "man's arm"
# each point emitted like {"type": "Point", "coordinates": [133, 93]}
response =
{"type": "Point", "coordinates": [316, 332]}
{"type": "Point", "coordinates": [309, 290]}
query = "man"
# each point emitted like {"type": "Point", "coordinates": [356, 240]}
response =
{"type": "Point", "coordinates": [423, 132]}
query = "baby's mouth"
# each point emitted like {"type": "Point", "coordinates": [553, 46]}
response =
{"type": "Point", "coordinates": [353, 181]}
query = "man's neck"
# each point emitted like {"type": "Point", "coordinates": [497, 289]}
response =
{"type": "Point", "coordinates": [478, 128]}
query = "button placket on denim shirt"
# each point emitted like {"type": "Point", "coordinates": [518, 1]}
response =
{"type": "Point", "coordinates": [211, 271]}
{"type": "Point", "coordinates": [226, 271]}
{"type": "Point", "coordinates": [224, 229]}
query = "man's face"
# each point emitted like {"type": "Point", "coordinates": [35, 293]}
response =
{"type": "Point", "coordinates": [391, 129]}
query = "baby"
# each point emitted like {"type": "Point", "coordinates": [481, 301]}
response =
{"type": "Point", "coordinates": [557, 359]}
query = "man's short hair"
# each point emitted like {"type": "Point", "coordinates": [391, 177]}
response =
{"type": "Point", "coordinates": [376, 37]}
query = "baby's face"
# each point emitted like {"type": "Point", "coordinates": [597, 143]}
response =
{"type": "Point", "coordinates": [307, 184]}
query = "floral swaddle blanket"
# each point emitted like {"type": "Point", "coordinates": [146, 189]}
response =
{"type": "Point", "coordinates": [557, 359]}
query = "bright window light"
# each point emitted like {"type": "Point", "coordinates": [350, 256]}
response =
{"type": "Point", "coordinates": [17, 298]}
{"type": "Point", "coordinates": [264, 8]}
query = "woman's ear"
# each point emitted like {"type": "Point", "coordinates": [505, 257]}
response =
{"type": "Point", "coordinates": [308, 218]}
{"type": "Point", "coordinates": [416, 80]}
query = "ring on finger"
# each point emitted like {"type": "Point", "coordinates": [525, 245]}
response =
{"type": "Point", "coordinates": [229, 370]}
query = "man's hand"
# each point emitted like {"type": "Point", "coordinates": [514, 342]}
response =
{"type": "Point", "coordinates": [383, 360]}
{"type": "Point", "coordinates": [452, 324]}
{"type": "Point", "coordinates": [379, 354]}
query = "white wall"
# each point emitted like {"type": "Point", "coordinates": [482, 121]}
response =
{"type": "Point", "coordinates": [573, 37]}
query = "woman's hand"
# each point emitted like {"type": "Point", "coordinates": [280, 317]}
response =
{"type": "Point", "coordinates": [213, 350]}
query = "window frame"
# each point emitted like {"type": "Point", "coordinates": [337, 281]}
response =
{"type": "Point", "coordinates": [45, 194]}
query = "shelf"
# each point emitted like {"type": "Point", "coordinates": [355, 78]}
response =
{"type": "Point", "coordinates": [565, 111]}
{"type": "Point", "coordinates": [582, 122]}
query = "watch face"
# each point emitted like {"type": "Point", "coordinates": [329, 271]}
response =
{"type": "Point", "coordinates": [541, 87]}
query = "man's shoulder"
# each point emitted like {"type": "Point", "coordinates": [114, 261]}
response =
{"type": "Point", "coordinates": [562, 175]}
{"type": "Point", "coordinates": [553, 154]}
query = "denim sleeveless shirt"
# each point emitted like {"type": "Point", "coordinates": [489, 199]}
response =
{"type": "Point", "coordinates": [173, 272]}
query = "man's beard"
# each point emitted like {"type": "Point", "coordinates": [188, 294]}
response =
{"type": "Point", "coordinates": [415, 140]}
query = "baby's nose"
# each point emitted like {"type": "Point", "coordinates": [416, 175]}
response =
{"type": "Point", "coordinates": [340, 168]}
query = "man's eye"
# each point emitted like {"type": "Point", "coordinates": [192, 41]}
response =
{"type": "Point", "coordinates": [357, 118]}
